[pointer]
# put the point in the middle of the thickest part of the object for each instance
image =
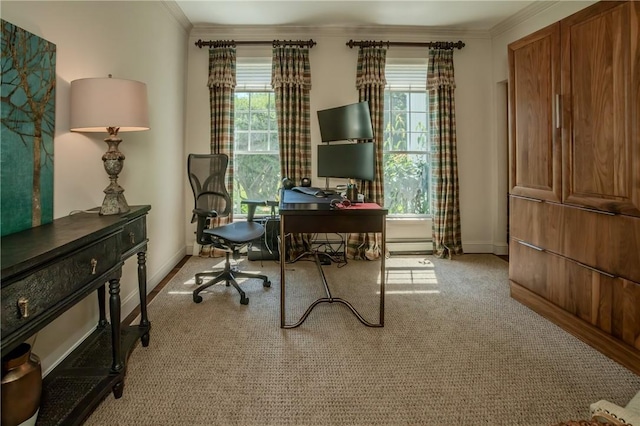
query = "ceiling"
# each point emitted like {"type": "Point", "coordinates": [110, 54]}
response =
{"type": "Point", "coordinates": [456, 14]}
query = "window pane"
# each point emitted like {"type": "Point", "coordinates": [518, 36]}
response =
{"type": "Point", "coordinates": [406, 152]}
{"type": "Point", "coordinates": [259, 120]}
{"type": "Point", "coordinates": [398, 101]}
{"type": "Point", "coordinates": [406, 179]}
{"type": "Point", "coordinates": [241, 120]}
{"type": "Point", "coordinates": [241, 141]}
{"type": "Point", "coordinates": [259, 141]}
{"type": "Point", "coordinates": [241, 102]}
{"type": "Point", "coordinates": [256, 177]}
{"type": "Point", "coordinates": [256, 159]}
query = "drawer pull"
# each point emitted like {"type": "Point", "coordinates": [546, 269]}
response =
{"type": "Point", "coordinates": [586, 209]}
{"type": "Point", "coordinates": [23, 307]}
{"type": "Point", "coordinates": [132, 237]}
{"type": "Point", "coordinates": [596, 270]}
{"type": "Point", "coordinates": [94, 263]}
{"type": "Point", "coordinates": [535, 200]}
{"type": "Point", "coordinates": [530, 245]}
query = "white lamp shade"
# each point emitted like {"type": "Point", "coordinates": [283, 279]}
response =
{"type": "Point", "coordinates": [98, 103]}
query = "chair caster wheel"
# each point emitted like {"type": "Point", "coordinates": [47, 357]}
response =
{"type": "Point", "coordinates": [266, 284]}
{"type": "Point", "coordinates": [197, 298]}
{"type": "Point", "coordinates": [244, 300]}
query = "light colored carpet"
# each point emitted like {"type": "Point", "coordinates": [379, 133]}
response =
{"type": "Point", "coordinates": [455, 350]}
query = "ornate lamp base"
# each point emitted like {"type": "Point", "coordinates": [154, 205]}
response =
{"type": "Point", "coordinates": [114, 201]}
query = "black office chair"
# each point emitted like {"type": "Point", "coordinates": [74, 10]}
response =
{"type": "Point", "coordinates": [212, 200]}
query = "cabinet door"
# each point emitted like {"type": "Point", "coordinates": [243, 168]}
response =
{"type": "Point", "coordinates": [535, 147]}
{"type": "Point", "coordinates": [600, 97]}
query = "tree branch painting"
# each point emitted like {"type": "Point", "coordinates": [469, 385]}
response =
{"type": "Point", "coordinates": [28, 125]}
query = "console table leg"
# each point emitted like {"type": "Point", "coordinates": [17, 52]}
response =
{"type": "Point", "coordinates": [102, 322]}
{"type": "Point", "coordinates": [118, 389]}
{"type": "Point", "coordinates": [142, 289]}
{"type": "Point", "coordinates": [114, 310]}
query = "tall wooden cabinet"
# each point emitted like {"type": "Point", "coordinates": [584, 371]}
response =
{"type": "Point", "coordinates": [575, 176]}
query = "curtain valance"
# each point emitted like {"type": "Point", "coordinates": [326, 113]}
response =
{"type": "Point", "coordinates": [440, 69]}
{"type": "Point", "coordinates": [290, 67]}
{"type": "Point", "coordinates": [222, 67]}
{"type": "Point", "coordinates": [371, 65]}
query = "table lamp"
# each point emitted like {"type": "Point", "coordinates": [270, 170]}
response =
{"type": "Point", "coordinates": [110, 105]}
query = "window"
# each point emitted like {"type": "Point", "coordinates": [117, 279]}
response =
{"type": "Point", "coordinates": [406, 147]}
{"type": "Point", "coordinates": [256, 153]}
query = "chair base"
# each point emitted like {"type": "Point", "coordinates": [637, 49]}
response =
{"type": "Point", "coordinates": [227, 275]}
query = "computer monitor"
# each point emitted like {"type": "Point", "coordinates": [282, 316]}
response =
{"type": "Point", "coordinates": [346, 122]}
{"type": "Point", "coordinates": [347, 160]}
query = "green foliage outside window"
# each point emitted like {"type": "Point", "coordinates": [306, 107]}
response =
{"type": "Point", "coordinates": [256, 157]}
{"type": "Point", "coordinates": [406, 156]}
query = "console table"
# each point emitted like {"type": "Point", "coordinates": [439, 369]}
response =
{"type": "Point", "coordinates": [48, 269]}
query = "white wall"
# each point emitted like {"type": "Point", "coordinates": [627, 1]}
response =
{"type": "Point", "coordinates": [132, 40]}
{"type": "Point", "coordinates": [333, 72]}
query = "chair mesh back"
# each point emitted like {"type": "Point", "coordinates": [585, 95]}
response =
{"type": "Point", "coordinates": [207, 177]}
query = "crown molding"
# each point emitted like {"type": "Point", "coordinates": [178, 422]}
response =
{"type": "Point", "coordinates": [174, 10]}
{"type": "Point", "coordinates": [302, 32]}
{"type": "Point", "coordinates": [521, 16]}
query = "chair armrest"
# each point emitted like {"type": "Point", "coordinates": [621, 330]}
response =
{"type": "Point", "coordinates": [605, 411]}
{"type": "Point", "coordinates": [255, 203]}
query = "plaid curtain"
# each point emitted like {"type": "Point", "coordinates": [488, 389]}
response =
{"type": "Point", "coordinates": [370, 82]}
{"type": "Point", "coordinates": [444, 163]}
{"type": "Point", "coordinates": [291, 81]}
{"type": "Point", "coordinates": [222, 83]}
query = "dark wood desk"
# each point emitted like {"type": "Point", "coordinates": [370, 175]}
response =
{"type": "Point", "coordinates": [300, 213]}
{"type": "Point", "coordinates": [48, 269]}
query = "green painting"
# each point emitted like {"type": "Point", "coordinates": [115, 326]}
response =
{"type": "Point", "coordinates": [28, 125]}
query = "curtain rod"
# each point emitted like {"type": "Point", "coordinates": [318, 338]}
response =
{"type": "Point", "coordinates": [447, 45]}
{"type": "Point", "coordinates": [275, 43]}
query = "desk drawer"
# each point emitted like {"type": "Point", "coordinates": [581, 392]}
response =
{"type": "Point", "coordinates": [55, 282]}
{"type": "Point", "coordinates": [135, 233]}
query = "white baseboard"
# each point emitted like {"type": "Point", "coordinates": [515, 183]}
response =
{"type": "Point", "coordinates": [410, 246]}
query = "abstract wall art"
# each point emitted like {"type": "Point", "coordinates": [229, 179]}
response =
{"type": "Point", "coordinates": [28, 126]}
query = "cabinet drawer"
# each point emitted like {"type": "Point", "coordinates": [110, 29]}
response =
{"type": "Point", "coordinates": [52, 284]}
{"type": "Point", "coordinates": [554, 278]}
{"type": "Point", "coordinates": [536, 222]}
{"type": "Point", "coordinates": [609, 303]}
{"type": "Point", "coordinates": [135, 233]}
{"type": "Point", "coordinates": [607, 242]}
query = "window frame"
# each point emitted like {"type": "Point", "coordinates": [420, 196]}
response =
{"type": "Point", "coordinates": [408, 76]}
{"type": "Point", "coordinates": [254, 77]}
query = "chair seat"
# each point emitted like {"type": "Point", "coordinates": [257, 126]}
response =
{"type": "Point", "coordinates": [237, 232]}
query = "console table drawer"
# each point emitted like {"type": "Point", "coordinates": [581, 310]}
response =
{"type": "Point", "coordinates": [135, 233]}
{"type": "Point", "coordinates": [24, 300]}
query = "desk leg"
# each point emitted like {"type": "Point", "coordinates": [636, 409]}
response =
{"type": "Point", "coordinates": [142, 289]}
{"type": "Point", "coordinates": [283, 261]}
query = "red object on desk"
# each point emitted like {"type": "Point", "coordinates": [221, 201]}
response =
{"type": "Point", "coordinates": [370, 206]}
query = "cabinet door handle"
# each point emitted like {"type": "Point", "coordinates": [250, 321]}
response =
{"type": "Point", "coordinates": [530, 245]}
{"type": "Point", "coordinates": [558, 123]}
{"type": "Point", "coordinates": [132, 237]}
{"type": "Point", "coordinates": [94, 263]}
